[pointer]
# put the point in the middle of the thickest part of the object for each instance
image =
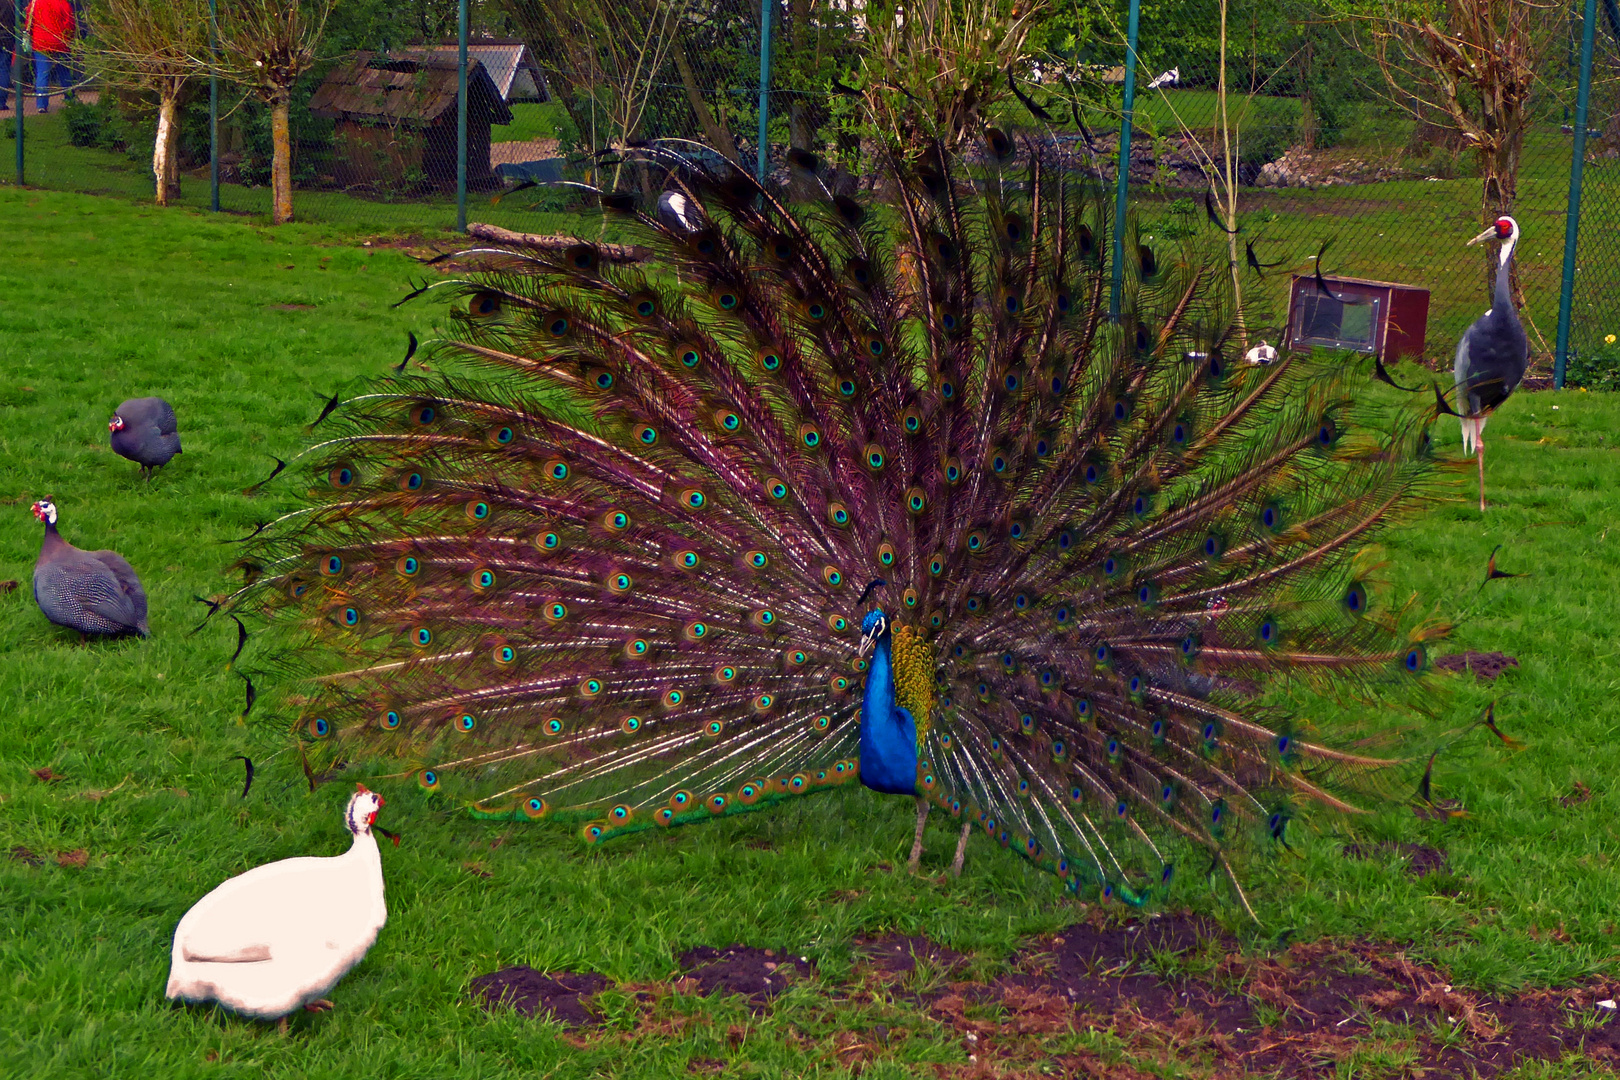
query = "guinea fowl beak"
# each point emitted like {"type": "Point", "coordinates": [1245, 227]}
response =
{"type": "Point", "coordinates": [1488, 234]}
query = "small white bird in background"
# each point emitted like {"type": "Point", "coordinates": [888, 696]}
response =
{"type": "Point", "coordinates": [1261, 354]}
{"type": "Point", "coordinates": [1166, 78]}
{"type": "Point", "coordinates": [279, 937]}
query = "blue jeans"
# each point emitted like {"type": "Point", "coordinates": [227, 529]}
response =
{"type": "Point", "coordinates": [45, 66]}
{"type": "Point", "coordinates": [5, 78]}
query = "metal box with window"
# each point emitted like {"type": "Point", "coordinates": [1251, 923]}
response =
{"type": "Point", "coordinates": [1376, 317]}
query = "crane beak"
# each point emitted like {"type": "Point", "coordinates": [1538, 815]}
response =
{"type": "Point", "coordinates": [1488, 234]}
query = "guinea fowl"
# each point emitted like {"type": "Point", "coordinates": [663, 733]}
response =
{"type": "Point", "coordinates": [1491, 356]}
{"type": "Point", "coordinates": [145, 431]}
{"type": "Point", "coordinates": [279, 937]}
{"type": "Point", "coordinates": [93, 592]}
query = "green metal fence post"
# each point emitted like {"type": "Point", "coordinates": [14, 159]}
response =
{"type": "Point", "coordinates": [213, 106]}
{"type": "Point", "coordinates": [461, 118]}
{"type": "Point", "coordinates": [16, 87]}
{"type": "Point", "coordinates": [764, 83]}
{"type": "Point", "coordinates": [1124, 178]}
{"type": "Point", "coordinates": [1572, 218]}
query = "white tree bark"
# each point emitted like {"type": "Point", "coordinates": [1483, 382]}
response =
{"type": "Point", "coordinates": [164, 170]}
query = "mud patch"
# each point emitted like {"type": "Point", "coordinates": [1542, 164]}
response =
{"type": "Point", "coordinates": [1177, 980]}
{"type": "Point", "coordinates": [562, 996]}
{"type": "Point", "coordinates": [756, 974]}
{"type": "Point", "coordinates": [1421, 860]}
{"type": "Point", "coordinates": [1484, 665]}
{"type": "Point", "coordinates": [899, 955]}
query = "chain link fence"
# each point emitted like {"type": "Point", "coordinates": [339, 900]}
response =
{"type": "Point", "coordinates": [1314, 147]}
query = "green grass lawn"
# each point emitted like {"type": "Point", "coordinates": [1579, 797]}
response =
{"type": "Point", "coordinates": [244, 329]}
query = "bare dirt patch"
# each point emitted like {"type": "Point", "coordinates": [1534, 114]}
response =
{"type": "Point", "coordinates": [563, 996]}
{"type": "Point", "coordinates": [1484, 665]}
{"type": "Point", "coordinates": [756, 974]}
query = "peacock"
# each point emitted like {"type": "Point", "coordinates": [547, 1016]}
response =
{"type": "Point", "coordinates": [857, 492]}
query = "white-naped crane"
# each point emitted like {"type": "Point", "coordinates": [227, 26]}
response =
{"type": "Point", "coordinates": [1491, 356]}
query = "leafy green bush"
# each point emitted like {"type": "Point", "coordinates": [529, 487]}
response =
{"type": "Point", "coordinates": [1595, 370]}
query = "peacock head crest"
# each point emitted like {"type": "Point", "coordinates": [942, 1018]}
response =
{"type": "Point", "coordinates": [116, 424]}
{"type": "Point", "coordinates": [45, 511]}
{"type": "Point", "coordinates": [874, 628]}
{"type": "Point", "coordinates": [362, 811]}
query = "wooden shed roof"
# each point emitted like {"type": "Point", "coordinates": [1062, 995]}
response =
{"type": "Point", "coordinates": [409, 87]}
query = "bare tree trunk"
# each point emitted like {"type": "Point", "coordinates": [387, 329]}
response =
{"type": "Point", "coordinates": [281, 161]}
{"type": "Point", "coordinates": [164, 172]}
{"type": "Point", "coordinates": [1307, 105]}
{"type": "Point", "coordinates": [716, 136]}
{"type": "Point", "coordinates": [1499, 190]}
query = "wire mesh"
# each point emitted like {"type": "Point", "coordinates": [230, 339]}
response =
{"type": "Point", "coordinates": [1314, 147]}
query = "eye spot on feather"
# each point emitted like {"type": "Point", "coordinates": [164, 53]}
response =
{"type": "Point", "coordinates": [764, 618]}
{"type": "Point", "coordinates": [646, 308]}
{"type": "Point", "coordinates": [916, 500]}
{"type": "Point", "coordinates": [910, 598]}
{"type": "Point", "coordinates": [689, 358]}
{"type": "Point", "coordinates": [428, 779]}
{"type": "Point", "coordinates": [553, 726]}
{"type": "Point", "coordinates": [484, 305]}
{"type": "Point", "coordinates": [422, 636]}
{"type": "Point", "coordinates": [619, 583]}
{"type": "Point", "coordinates": [948, 321]}
{"type": "Point", "coordinates": [693, 499]}
{"type": "Point", "coordinates": [411, 481]}
{"type": "Point", "coordinates": [482, 579]}
{"type": "Point", "coordinates": [839, 684]}
{"type": "Point", "coordinates": [390, 720]}
{"type": "Point", "coordinates": [977, 541]}
{"type": "Point", "coordinates": [725, 674]}
{"type": "Point", "coordinates": [726, 299]}
{"type": "Point", "coordinates": [1092, 474]}
{"type": "Point", "coordinates": [673, 699]}
{"type": "Point", "coordinates": [557, 470]}
{"type": "Point", "coordinates": [424, 415]}
{"type": "Point", "coordinates": [763, 704]}
{"type": "Point", "coordinates": [838, 514]}
{"type": "Point", "coordinates": [770, 361]}
{"type": "Point", "coordinates": [647, 435]}
{"type": "Point", "coordinates": [796, 658]}
{"type": "Point", "coordinates": [637, 648]}
{"type": "Point", "coordinates": [505, 655]}
{"type": "Point", "coordinates": [846, 388]}
{"type": "Point", "coordinates": [615, 521]}
{"type": "Point", "coordinates": [1355, 599]}
{"type": "Point", "coordinates": [465, 723]}
{"type": "Point", "coordinates": [602, 380]}
{"type": "Point", "coordinates": [319, 727]}
{"type": "Point", "coordinates": [837, 623]}
{"type": "Point", "coordinates": [1061, 615]}
{"type": "Point", "coordinates": [713, 728]}
{"type": "Point", "coordinates": [1082, 709]}
{"type": "Point", "coordinates": [936, 620]}
{"type": "Point", "coordinates": [832, 576]}
{"type": "Point", "coordinates": [776, 489]}
{"type": "Point", "coordinates": [332, 566]}
{"type": "Point", "coordinates": [547, 541]}
{"type": "Point", "coordinates": [810, 436]}
{"type": "Point", "coordinates": [977, 605]}
{"type": "Point", "coordinates": [407, 566]}
{"type": "Point", "coordinates": [695, 630]}
{"type": "Point", "coordinates": [686, 560]}
{"type": "Point", "coordinates": [936, 566]}
{"type": "Point", "coordinates": [478, 511]}
{"type": "Point", "coordinates": [534, 808]}
{"type": "Point", "coordinates": [885, 554]}
{"type": "Point", "coordinates": [817, 312]}
{"type": "Point", "coordinates": [874, 457]}
{"type": "Point", "coordinates": [341, 477]}
{"type": "Point", "coordinates": [953, 471]}
{"type": "Point", "coordinates": [556, 611]}
{"type": "Point", "coordinates": [590, 688]}
{"type": "Point", "coordinates": [875, 346]}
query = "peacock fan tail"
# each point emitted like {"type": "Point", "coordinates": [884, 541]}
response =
{"type": "Point", "coordinates": [847, 492]}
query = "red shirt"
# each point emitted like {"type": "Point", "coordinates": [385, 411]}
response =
{"type": "Point", "coordinates": [51, 24]}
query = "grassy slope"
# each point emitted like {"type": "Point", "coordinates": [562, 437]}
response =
{"type": "Point", "coordinates": [99, 301]}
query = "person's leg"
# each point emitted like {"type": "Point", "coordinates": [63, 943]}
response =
{"type": "Point", "coordinates": [42, 81]}
{"type": "Point", "coordinates": [5, 78]}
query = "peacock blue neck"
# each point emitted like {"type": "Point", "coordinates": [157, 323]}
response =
{"type": "Point", "coordinates": [888, 732]}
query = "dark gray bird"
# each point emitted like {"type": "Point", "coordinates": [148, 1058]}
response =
{"type": "Point", "coordinates": [144, 430]}
{"type": "Point", "coordinates": [1491, 356]}
{"type": "Point", "coordinates": [93, 592]}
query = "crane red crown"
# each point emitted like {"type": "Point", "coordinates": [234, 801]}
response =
{"type": "Point", "coordinates": [1504, 227]}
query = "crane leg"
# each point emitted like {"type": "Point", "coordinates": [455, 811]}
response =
{"type": "Point", "coordinates": [1481, 446]}
{"type": "Point", "coordinates": [961, 849]}
{"type": "Point", "coordinates": [916, 845]}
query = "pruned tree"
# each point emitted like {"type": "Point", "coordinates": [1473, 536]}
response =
{"type": "Point", "coordinates": [265, 45]}
{"type": "Point", "coordinates": [933, 70]}
{"type": "Point", "coordinates": [1470, 66]}
{"type": "Point", "coordinates": [611, 55]}
{"type": "Point", "coordinates": [151, 47]}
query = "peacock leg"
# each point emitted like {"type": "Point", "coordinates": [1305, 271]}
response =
{"type": "Point", "coordinates": [961, 849]}
{"type": "Point", "coordinates": [916, 845]}
{"type": "Point", "coordinates": [1480, 445]}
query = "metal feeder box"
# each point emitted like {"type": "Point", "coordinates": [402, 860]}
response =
{"type": "Point", "coordinates": [1380, 318]}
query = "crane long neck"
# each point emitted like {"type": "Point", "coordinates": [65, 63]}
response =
{"type": "Point", "coordinates": [1502, 297]}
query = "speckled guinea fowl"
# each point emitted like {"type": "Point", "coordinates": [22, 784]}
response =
{"type": "Point", "coordinates": [93, 592]}
{"type": "Point", "coordinates": [145, 431]}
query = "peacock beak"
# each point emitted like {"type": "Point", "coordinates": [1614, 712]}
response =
{"type": "Point", "coordinates": [1488, 234]}
{"type": "Point", "coordinates": [869, 639]}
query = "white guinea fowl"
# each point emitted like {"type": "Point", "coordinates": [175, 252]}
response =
{"type": "Point", "coordinates": [279, 937]}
